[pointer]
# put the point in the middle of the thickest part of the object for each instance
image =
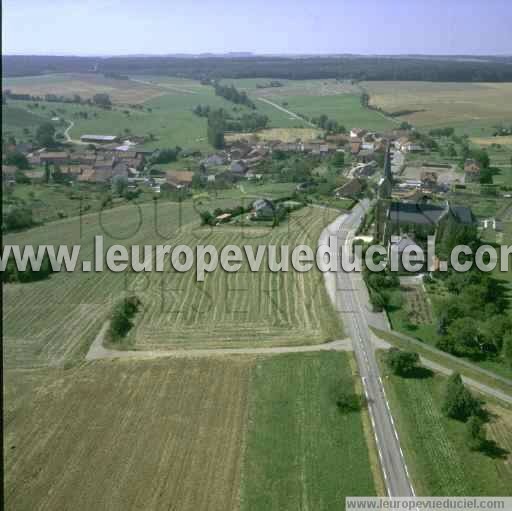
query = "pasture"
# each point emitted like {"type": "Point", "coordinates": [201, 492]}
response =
{"type": "Point", "coordinates": [17, 121]}
{"type": "Point", "coordinates": [339, 100]}
{"type": "Point", "coordinates": [435, 447]}
{"type": "Point", "coordinates": [471, 108]}
{"type": "Point", "coordinates": [166, 109]}
{"type": "Point", "coordinates": [55, 201]}
{"type": "Point", "coordinates": [65, 312]}
{"type": "Point", "coordinates": [344, 108]}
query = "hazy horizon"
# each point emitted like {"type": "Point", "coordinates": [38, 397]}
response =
{"type": "Point", "coordinates": [328, 27]}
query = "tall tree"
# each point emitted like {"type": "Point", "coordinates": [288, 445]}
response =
{"type": "Point", "coordinates": [45, 135]}
{"type": "Point", "coordinates": [458, 402]}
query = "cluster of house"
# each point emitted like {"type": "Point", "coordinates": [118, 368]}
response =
{"type": "Point", "coordinates": [240, 159]}
{"type": "Point", "coordinates": [102, 158]}
{"type": "Point", "coordinates": [364, 142]}
{"type": "Point", "coordinates": [98, 166]}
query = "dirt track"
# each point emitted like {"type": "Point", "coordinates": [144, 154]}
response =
{"type": "Point", "coordinates": [97, 351]}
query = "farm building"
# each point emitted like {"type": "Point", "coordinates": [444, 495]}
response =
{"type": "Point", "coordinates": [54, 157]}
{"type": "Point", "coordinates": [99, 139]}
{"type": "Point", "coordinates": [402, 213]}
{"type": "Point", "coordinates": [179, 178]}
{"type": "Point", "coordinates": [355, 147]}
{"type": "Point", "coordinates": [238, 167]}
{"type": "Point", "coordinates": [357, 133]}
{"type": "Point", "coordinates": [214, 160]}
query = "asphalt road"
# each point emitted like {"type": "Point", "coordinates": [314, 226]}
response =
{"type": "Point", "coordinates": [348, 292]}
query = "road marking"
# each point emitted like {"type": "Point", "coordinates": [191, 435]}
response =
{"type": "Point", "coordinates": [354, 301]}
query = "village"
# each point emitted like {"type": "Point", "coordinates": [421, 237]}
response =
{"type": "Point", "coordinates": [357, 163]}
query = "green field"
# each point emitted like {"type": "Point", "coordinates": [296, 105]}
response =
{"type": "Point", "coordinates": [171, 101]}
{"type": "Point", "coordinates": [55, 201]}
{"type": "Point", "coordinates": [167, 108]}
{"type": "Point", "coordinates": [471, 108]}
{"type": "Point", "coordinates": [65, 312]}
{"type": "Point", "coordinates": [312, 98]}
{"type": "Point", "coordinates": [435, 447]}
{"type": "Point", "coordinates": [301, 452]}
{"type": "Point", "coordinates": [344, 108]}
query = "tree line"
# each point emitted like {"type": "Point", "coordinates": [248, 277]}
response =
{"type": "Point", "coordinates": [231, 93]}
{"type": "Point", "coordinates": [100, 99]}
{"type": "Point", "coordinates": [433, 68]}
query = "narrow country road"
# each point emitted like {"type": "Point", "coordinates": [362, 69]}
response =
{"type": "Point", "coordinates": [289, 112]}
{"type": "Point", "coordinates": [66, 131]}
{"type": "Point", "coordinates": [68, 136]}
{"type": "Point", "coordinates": [349, 295]}
{"type": "Point", "coordinates": [164, 86]}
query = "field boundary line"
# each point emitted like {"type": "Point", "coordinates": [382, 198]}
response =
{"type": "Point", "coordinates": [97, 351]}
{"type": "Point", "coordinates": [286, 111]}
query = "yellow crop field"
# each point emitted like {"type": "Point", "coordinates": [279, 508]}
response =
{"type": "Point", "coordinates": [470, 106]}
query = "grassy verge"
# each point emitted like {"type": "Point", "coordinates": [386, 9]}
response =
{"type": "Point", "coordinates": [435, 447]}
{"type": "Point", "coordinates": [301, 452]}
{"type": "Point", "coordinates": [441, 358]}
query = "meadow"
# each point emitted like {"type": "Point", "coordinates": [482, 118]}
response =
{"type": "Point", "coordinates": [65, 312]}
{"type": "Point", "coordinates": [167, 105]}
{"type": "Point", "coordinates": [471, 108]}
{"type": "Point", "coordinates": [56, 201]}
{"type": "Point", "coordinates": [166, 112]}
{"type": "Point", "coordinates": [436, 448]}
{"type": "Point", "coordinates": [346, 109]}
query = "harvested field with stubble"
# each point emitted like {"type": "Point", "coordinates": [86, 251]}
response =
{"type": "Point", "coordinates": [472, 108]}
{"type": "Point", "coordinates": [147, 435]}
{"type": "Point", "coordinates": [220, 433]}
{"type": "Point", "coordinates": [243, 308]}
{"type": "Point", "coordinates": [85, 85]}
{"type": "Point", "coordinates": [65, 312]}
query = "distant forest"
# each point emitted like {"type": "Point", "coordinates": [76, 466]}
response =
{"type": "Point", "coordinates": [439, 69]}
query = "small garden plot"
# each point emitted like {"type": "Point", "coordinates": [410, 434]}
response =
{"type": "Point", "coordinates": [417, 305]}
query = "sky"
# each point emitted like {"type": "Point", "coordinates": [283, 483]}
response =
{"type": "Point", "coordinates": [121, 27]}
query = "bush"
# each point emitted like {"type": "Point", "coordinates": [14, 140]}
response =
{"type": "Point", "coordinates": [18, 159]}
{"type": "Point", "coordinates": [348, 401]}
{"type": "Point", "coordinates": [12, 274]}
{"type": "Point", "coordinates": [18, 218]}
{"type": "Point", "coordinates": [120, 321]}
{"type": "Point", "coordinates": [207, 218]}
{"type": "Point", "coordinates": [401, 362]}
